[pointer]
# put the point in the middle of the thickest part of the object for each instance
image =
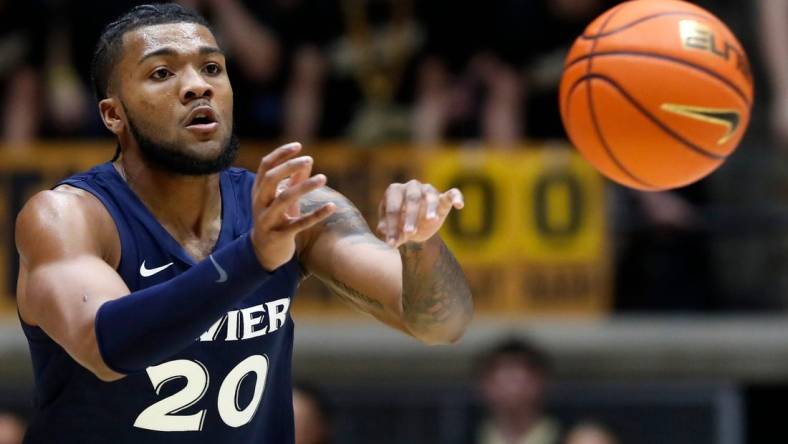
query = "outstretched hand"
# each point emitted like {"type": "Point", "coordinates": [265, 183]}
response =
{"type": "Point", "coordinates": [780, 120]}
{"type": "Point", "coordinates": [414, 211]}
{"type": "Point", "coordinates": [282, 179]}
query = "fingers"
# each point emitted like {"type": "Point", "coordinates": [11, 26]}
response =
{"type": "Point", "coordinates": [296, 169]}
{"type": "Point", "coordinates": [311, 219]}
{"type": "Point", "coordinates": [414, 211]}
{"type": "Point", "coordinates": [404, 208]}
{"type": "Point", "coordinates": [273, 159]}
{"type": "Point", "coordinates": [448, 200]}
{"type": "Point", "coordinates": [279, 155]}
{"type": "Point", "coordinates": [274, 215]}
{"type": "Point", "coordinates": [432, 199]}
{"type": "Point", "coordinates": [297, 177]}
{"type": "Point", "coordinates": [413, 202]}
{"type": "Point", "coordinates": [393, 207]}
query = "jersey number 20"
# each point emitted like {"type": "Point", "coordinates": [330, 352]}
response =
{"type": "Point", "coordinates": [162, 416]}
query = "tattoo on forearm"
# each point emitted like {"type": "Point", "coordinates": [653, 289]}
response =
{"type": "Point", "coordinates": [434, 288]}
{"type": "Point", "coordinates": [353, 296]}
{"type": "Point", "coordinates": [346, 222]}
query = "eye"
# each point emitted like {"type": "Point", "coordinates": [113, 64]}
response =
{"type": "Point", "coordinates": [213, 68]}
{"type": "Point", "coordinates": [161, 74]}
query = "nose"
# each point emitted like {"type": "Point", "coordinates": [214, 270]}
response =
{"type": "Point", "coordinates": [194, 86]}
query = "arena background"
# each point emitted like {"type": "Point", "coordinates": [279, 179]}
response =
{"type": "Point", "coordinates": [664, 315]}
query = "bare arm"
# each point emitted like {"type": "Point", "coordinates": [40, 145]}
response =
{"type": "Point", "coordinates": [64, 242]}
{"type": "Point", "coordinates": [436, 300]}
{"type": "Point", "coordinates": [21, 114]}
{"type": "Point", "coordinates": [257, 49]}
{"type": "Point", "coordinates": [67, 243]}
{"type": "Point", "coordinates": [773, 16]}
{"type": "Point", "coordinates": [774, 40]}
{"type": "Point", "coordinates": [416, 287]}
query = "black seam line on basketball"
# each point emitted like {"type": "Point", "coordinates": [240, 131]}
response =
{"type": "Point", "coordinates": [592, 109]}
{"type": "Point", "coordinates": [612, 155]}
{"type": "Point", "coordinates": [591, 50]}
{"type": "Point", "coordinates": [705, 70]}
{"type": "Point", "coordinates": [678, 137]}
{"type": "Point", "coordinates": [641, 20]}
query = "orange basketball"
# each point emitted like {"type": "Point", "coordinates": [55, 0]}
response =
{"type": "Point", "coordinates": [656, 94]}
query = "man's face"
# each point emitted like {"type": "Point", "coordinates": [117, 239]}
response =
{"type": "Point", "coordinates": [172, 83]}
{"type": "Point", "coordinates": [310, 426]}
{"type": "Point", "coordinates": [11, 429]}
{"type": "Point", "coordinates": [511, 383]}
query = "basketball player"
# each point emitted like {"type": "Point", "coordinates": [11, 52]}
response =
{"type": "Point", "coordinates": [155, 290]}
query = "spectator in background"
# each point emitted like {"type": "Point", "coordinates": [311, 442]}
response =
{"type": "Point", "coordinates": [379, 43]}
{"type": "Point", "coordinates": [590, 433]}
{"type": "Point", "coordinates": [512, 378]}
{"type": "Point", "coordinates": [253, 45]}
{"type": "Point", "coordinates": [548, 28]}
{"type": "Point", "coordinates": [67, 96]}
{"type": "Point", "coordinates": [254, 53]}
{"type": "Point", "coordinates": [278, 48]}
{"type": "Point", "coordinates": [464, 87]}
{"type": "Point", "coordinates": [664, 251]}
{"type": "Point", "coordinates": [21, 49]}
{"type": "Point", "coordinates": [493, 70]}
{"type": "Point", "coordinates": [312, 416]}
{"type": "Point", "coordinates": [12, 428]}
{"type": "Point", "coordinates": [70, 38]}
{"type": "Point", "coordinates": [773, 16]}
{"type": "Point", "coordinates": [48, 94]}
{"type": "Point", "coordinates": [306, 29]}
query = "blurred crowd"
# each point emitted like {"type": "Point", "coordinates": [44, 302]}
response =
{"type": "Point", "coordinates": [417, 71]}
{"type": "Point", "coordinates": [511, 381]}
{"type": "Point", "coordinates": [369, 70]}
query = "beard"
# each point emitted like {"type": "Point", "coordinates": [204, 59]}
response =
{"type": "Point", "coordinates": [174, 159]}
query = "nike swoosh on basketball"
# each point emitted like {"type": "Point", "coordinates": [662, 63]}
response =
{"type": "Point", "coordinates": [729, 118]}
{"type": "Point", "coordinates": [148, 272]}
{"type": "Point", "coordinates": [222, 273]}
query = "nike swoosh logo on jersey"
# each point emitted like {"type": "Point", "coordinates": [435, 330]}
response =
{"type": "Point", "coordinates": [148, 272]}
{"type": "Point", "coordinates": [729, 118]}
{"type": "Point", "coordinates": [222, 273]}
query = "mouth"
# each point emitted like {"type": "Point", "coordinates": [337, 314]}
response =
{"type": "Point", "coordinates": [202, 119]}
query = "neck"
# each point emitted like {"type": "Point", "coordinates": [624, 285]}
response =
{"type": "Point", "coordinates": [513, 424]}
{"type": "Point", "coordinates": [189, 207]}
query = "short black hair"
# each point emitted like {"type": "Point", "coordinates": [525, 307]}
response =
{"type": "Point", "coordinates": [108, 49]}
{"type": "Point", "coordinates": [529, 353]}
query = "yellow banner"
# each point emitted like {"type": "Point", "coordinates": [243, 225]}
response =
{"type": "Point", "coordinates": [532, 237]}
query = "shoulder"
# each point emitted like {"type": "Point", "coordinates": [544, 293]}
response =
{"type": "Point", "coordinates": [65, 203]}
{"type": "Point", "coordinates": [52, 209]}
{"type": "Point", "coordinates": [65, 218]}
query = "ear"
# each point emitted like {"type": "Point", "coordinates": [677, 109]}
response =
{"type": "Point", "coordinates": [112, 115]}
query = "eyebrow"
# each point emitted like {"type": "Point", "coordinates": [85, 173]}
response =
{"type": "Point", "coordinates": [167, 51]}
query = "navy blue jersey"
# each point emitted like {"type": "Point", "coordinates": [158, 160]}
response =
{"type": "Point", "coordinates": [232, 385]}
